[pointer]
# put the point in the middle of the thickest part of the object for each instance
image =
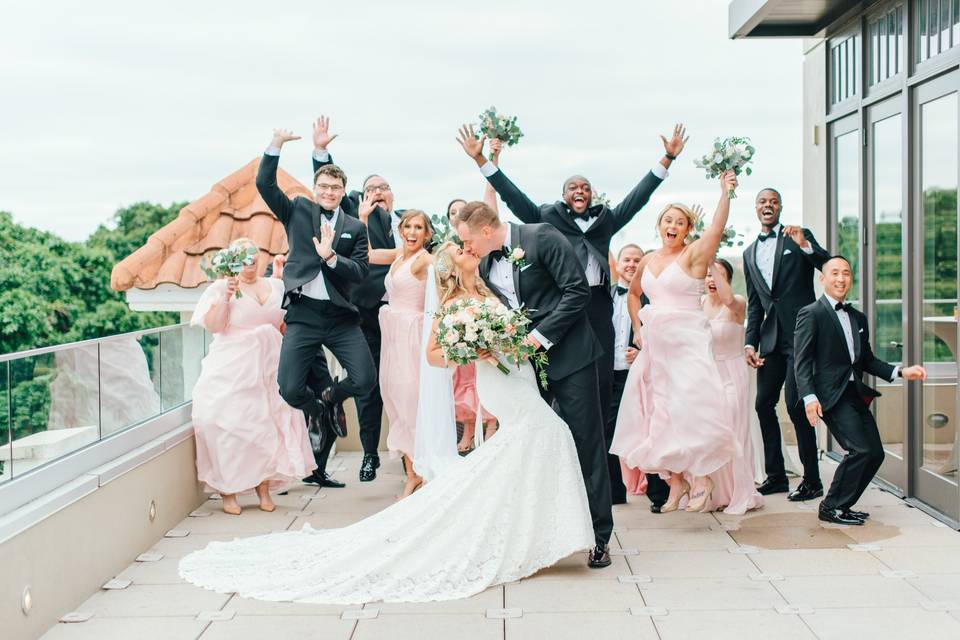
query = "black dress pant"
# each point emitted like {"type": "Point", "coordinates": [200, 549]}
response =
{"type": "Point", "coordinates": [370, 404]}
{"type": "Point", "coordinates": [318, 380]}
{"type": "Point", "coordinates": [312, 325]}
{"type": "Point", "coordinates": [778, 373]}
{"type": "Point", "coordinates": [577, 400]}
{"type": "Point", "coordinates": [600, 313]}
{"type": "Point", "coordinates": [852, 424]}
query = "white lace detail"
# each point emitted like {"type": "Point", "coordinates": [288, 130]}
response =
{"type": "Point", "coordinates": [514, 506]}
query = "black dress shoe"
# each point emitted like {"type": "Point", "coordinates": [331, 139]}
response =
{"type": "Point", "coordinates": [838, 516]}
{"type": "Point", "coordinates": [369, 466]}
{"type": "Point", "coordinates": [599, 557]}
{"type": "Point", "coordinates": [863, 515]}
{"type": "Point", "coordinates": [330, 483]}
{"type": "Point", "coordinates": [773, 485]}
{"type": "Point", "coordinates": [655, 508]}
{"type": "Point", "coordinates": [311, 479]}
{"type": "Point", "coordinates": [805, 492]}
{"type": "Point", "coordinates": [338, 417]}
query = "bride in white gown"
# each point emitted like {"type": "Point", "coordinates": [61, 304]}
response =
{"type": "Point", "coordinates": [515, 505]}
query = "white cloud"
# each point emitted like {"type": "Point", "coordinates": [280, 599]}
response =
{"type": "Point", "coordinates": [111, 103]}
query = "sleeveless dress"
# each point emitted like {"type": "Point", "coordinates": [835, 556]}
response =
{"type": "Point", "coordinates": [512, 507]}
{"type": "Point", "coordinates": [245, 432]}
{"type": "Point", "coordinates": [401, 328]}
{"type": "Point", "coordinates": [465, 395]}
{"type": "Point", "coordinates": [734, 482]}
{"type": "Point", "coordinates": [673, 416]}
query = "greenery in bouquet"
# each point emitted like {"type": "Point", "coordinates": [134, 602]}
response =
{"type": "Point", "coordinates": [229, 262]}
{"type": "Point", "coordinates": [443, 231]}
{"type": "Point", "coordinates": [600, 199]}
{"type": "Point", "coordinates": [731, 237]}
{"type": "Point", "coordinates": [501, 127]}
{"type": "Point", "coordinates": [468, 326]}
{"type": "Point", "coordinates": [729, 154]}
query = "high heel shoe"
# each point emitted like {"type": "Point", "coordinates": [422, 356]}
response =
{"type": "Point", "coordinates": [700, 500]}
{"type": "Point", "coordinates": [672, 504]}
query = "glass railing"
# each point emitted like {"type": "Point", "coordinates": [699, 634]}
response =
{"type": "Point", "coordinates": [57, 400]}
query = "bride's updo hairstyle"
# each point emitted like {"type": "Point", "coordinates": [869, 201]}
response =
{"type": "Point", "coordinates": [692, 219]}
{"type": "Point", "coordinates": [449, 282]}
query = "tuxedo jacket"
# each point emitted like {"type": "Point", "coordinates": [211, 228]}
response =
{"type": "Point", "coordinates": [553, 289]}
{"type": "Point", "coordinates": [822, 359]}
{"type": "Point", "coordinates": [772, 311]}
{"type": "Point", "coordinates": [369, 293]}
{"type": "Point", "coordinates": [301, 220]}
{"type": "Point", "coordinates": [605, 221]}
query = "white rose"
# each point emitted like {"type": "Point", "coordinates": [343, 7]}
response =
{"type": "Point", "coordinates": [517, 254]}
{"type": "Point", "coordinates": [717, 158]}
{"type": "Point", "coordinates": [451, 336]}
{"type": "Point", "coordinates": [489, 335]}
{"type": "Point", "coordinates": [502, 309]}
{"type": "Point", "coordinates": [470, 336]}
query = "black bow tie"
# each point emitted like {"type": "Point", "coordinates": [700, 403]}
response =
{"type": "Point", "coordinates": [621, 290]}
{"type": "Point", "coordinates": [765, 236]}
{"type": "Point", "coordinates": [326, 214]}
{"type": "Point", "coordinates": [845, 307]}
{"type": "Point", "coordinates": [500, 254]}
{"type": "Point", "coordinates": [586, 215]}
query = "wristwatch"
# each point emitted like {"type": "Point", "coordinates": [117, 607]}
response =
{"type": "Point", "coordinates": [899, 373]}
{"type": "Point", "coordinates": [670, 157]}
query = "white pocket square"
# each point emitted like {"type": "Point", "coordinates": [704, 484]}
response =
{"type": "Point", "coordinates": [861, 331]}
{"type": "Point", "coordinates": [786, 251]}
{"type": "Point", "coordinates": [525, 267]}
{"type": "Point", "coordinates": [345, 235]}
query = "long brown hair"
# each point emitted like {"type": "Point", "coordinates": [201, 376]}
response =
{"type": "Point", "coordinates": [449, 282]}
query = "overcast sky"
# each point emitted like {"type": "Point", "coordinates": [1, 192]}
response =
{"type": "Point", "coordinates": [106, 104]}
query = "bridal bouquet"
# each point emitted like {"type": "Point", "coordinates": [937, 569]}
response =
{"type": "Point", "coordinates": [731, 237]}
{"type": "Point", "coordinates": [443, 231]}
{"type": "Point", "coordinates": [467, 326]}
{"type": "Point", "coordinates": [503, 128]}
{"type": "Point", "coordinates": [600, 198]}
{"type": "Point", "coordinates": [229, 262]}
{"type": "Point", "coordinates": [730, 154]}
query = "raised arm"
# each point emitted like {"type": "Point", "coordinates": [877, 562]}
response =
{"type": "Point", "coordinates": [812, 251]}
{"type": "Point", "coordinates": [276, 199]}
{"type": "Point", "coordinates": [703, 250]}
{"type": "Point", "coordinates": [517, 201]}
{"type": "Point", "coordinates": [640, 194]}
{"type": "Point", "coordinates": [489, 193]}
{"type": "Point", "coordinates": [561, 262]}
{"type": "Point", "coordinates": [635, 298]}
{"type": "Point", "coordinates": [321, 138]}
{"type": "Point", "coordinates": [218, 317]}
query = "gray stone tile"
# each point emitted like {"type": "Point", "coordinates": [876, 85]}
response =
{"type": "Point", "coordinates": [419, 627]}
{"type": "Point", "coordinates": [141, 601]}
{"type": "Point", "coordinates": [849, 591]}
{"type": "Point", "coordinates": [170, 628]}
{"type": "Point", "coordinates": [731, 625]}
{"type": "Point", "coordinates": [688, 594]}
{"type": "Point", "coordinates": [259, 627]}
{"type": "Point", "coordinates": [888, 623]}
{"type": "Point", "coordinates": [580, 625]}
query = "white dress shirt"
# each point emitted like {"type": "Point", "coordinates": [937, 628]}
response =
{"type": "Point", "coordinates": [621, 327]}
{"type": "Point", "coordinates": [501, 276]}
{"type": "Point", "coordinates": [593, 269]}
{"type": "Point", "coordinates": [844, 318]}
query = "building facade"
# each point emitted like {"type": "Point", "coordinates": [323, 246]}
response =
{"type": "Point", "coordinates": [881, 168]}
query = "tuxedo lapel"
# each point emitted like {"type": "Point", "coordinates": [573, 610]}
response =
{"type": "Point", "coordinates": [755, 274]}
{"type": "Point", "coordinates": [514, 267]}
{"type": "Point", "coordinates": [337, 230]}
{"type": "Point", "coordinates": [855, 330]}
{"type": "Point", "coordinates": [834, 320]}
{"type": "Point", "coordinates": [315, 220]}
{"type": "Point", "coordinates": [777, 257]}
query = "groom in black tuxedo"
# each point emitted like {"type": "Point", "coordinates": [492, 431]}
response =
{"type": "Point", "coordinates": [328, 257]}
{"type": "Point", "coordinates": [832, 353]}
{"type": "Point", "coordinates": [533, 266]}
{"type": "Point", "coordinates": [589, 229]}
{"type": "Point", "coordinates": [778, 269]}
{"type": "Point", "coordinates": [373, 206]}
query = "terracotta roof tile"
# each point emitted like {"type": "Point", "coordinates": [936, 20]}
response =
{"type": "Point", "coordinates": [232, 209]}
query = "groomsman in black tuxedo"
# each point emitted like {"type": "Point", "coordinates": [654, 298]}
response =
{"type": "Point", "coordinates": [550, 283]}
{"type": "Point", "coordinates": [328, 257]}
{"type": "Point", "coordinates": [373, 206]}
{"type": "Point", "coordinates": [589, 228]}
{"type": "Point", "coordinates": [624, 353]}
{"type": "Point", "coordinates": [832, 347]}
{"type": "Point", "coordinates": [778, 268]}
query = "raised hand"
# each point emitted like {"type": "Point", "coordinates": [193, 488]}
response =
{"type": "Point", "coordinates": [282, 135]}
{"type": "Point", "coordinates": [496, 146]}
{"type": "Point", "coordinates": [471, 146]}
{"type": "Point", "coordinates": [278, 261]}
{"type": "Point", "coordinates": [728, 182]}
{"type": "Point", "coordinates": [796, 234]}
{"type": "Point", "coordinates": [324, 245]}
{"type": "Point", "coordinates": [321, 133]}
{"type": "Point", "coordinates": [674, 146]}
{"type": "Point", "coordinates": [232, 285]}
{"type": "Point", "coordinates": [367, 205]}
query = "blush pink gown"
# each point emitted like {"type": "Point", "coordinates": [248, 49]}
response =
{"type": "Point", "coordinates": [465, 395]}
{"type": "Point", "coordinates": [401, 329]}
{"type": "Point", "coordinates": [734, 488]}
{"type": "Point", "coordinates": [245, 432]}
{"type": "Point", "coordinates": [673, 416]}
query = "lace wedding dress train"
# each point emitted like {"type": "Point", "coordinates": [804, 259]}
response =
{"type": "Point", "coordinates": [515, 505]}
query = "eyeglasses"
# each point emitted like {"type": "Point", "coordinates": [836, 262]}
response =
{"type": "Point", "coordinates": [377, 188]}
{"type": "Point", "coordinates": [332, 188]}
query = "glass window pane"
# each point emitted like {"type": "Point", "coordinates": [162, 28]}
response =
{"type": "Point", "coordinates": [6, 461]}
{"type": "Point", "coordinates": [874, 65]}
{"type": "Point", "coordinates": [128, 393]}
{"type": "Point", "coordinates": [938, 184]}
{"type": "Point", "coordinates": [922, 31]}
{"type": "Point", "coordinates": [945, 25]}
{"type": "Point", "coordinates": [899, 19]}
{"type": "Point", "coordinates": [888, 336]}
{"type": "Point", "coordinates": [956, 23]}
{"type": "Point", "coordinates": [933, 27]}
{"type": "Point", "coordinates": [883, 73]}
{"type": "Point", "coordinates": [848, 203]}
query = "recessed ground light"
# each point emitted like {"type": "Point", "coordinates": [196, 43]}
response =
{"type": "Point", "coordinates": [152, 512]}
{"type": "Point", "coordinates": [26, 601]}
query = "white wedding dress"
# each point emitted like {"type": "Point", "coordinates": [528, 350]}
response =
{"type": "Point", "coordinates": [515, 505]}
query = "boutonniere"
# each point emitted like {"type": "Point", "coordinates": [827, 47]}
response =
{"type": "Point", "coordinates": [517, 258]}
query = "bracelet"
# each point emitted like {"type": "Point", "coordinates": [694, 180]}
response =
{"type": "Point", "coordinates": [670, 157]}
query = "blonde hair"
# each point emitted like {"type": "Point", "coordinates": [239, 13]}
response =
{"type": "Point", "coordinates": [410, 214]}
{"type": "Point", "coordinates": [449, 281]}
{"type": "Point", "coordinates": [692, 219]}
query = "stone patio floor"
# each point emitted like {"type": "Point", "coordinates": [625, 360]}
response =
{"type": "Point", "coordinates": [774, 573]}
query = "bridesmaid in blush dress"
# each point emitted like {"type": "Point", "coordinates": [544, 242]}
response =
{"type": "Point", "coordinates": [672, 416]}
{"type": "Point", "coordinates": [735, 490]}
{"type": "Point", "coordinates": [401, 325]}
{"type": "Point", "coordinates": [247, 437]}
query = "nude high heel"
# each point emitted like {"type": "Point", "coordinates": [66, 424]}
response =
{"type": "Point", "coordinates": [700, 500]}
{"type": "Point", "coordinates": [672, 504]}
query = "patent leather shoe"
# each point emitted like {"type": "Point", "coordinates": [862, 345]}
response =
{"type": "Point", "coordinates": [369, 466]}
{"type": "Point", "coordinates": [338, 417]}
{"type": "Point", "coordinates": [863, 515]}
{"type": "Point", "coordinates": [599, 557]}
{"type": "Point", "coordinates": [773, 485]}
{"type": "Point", "coordinates": [805, 492]}
{"type": "Point", "coordinates": [838, 516]}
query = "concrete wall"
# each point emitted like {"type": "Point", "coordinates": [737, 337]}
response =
{"type": "Point", "coordinates": [69, 555]}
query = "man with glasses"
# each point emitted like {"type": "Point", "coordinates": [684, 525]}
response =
{"type": "Point", "coordinates": [373, 206]}
{"type": "Point", "coordinates": [327, 259]}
